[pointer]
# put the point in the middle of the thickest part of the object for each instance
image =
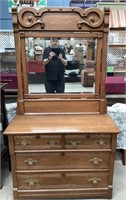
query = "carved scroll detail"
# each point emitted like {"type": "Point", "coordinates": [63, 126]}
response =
{"type": "Point", "coordinates": [31, 17]}
{"type": "Point", "coordinates": [92, 17]}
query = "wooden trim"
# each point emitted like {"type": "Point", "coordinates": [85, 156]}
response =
{"type": "Point", "coordinates": [68, 106]}
{"type": "Point", "coordinates": [24, 66]}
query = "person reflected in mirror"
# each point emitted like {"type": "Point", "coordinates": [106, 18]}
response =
{"type": "Point", "coordinates": [55, 61]}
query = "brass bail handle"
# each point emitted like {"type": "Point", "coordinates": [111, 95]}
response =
{"type": "Point", "coordinates": [23, 143]}
{"type": "Point", "coordinates": [30, 162]}
{"type": "Point", "coordinates": [96, 161]}
{"type": "Point", "coordinates": [73, 142]}
{"type": "Point", "coordinates": [101, 142]}
{"type": "Point", "coordinates": [31, 182]}
{"type": "Point", "coordinates": [95, 180]}
{"type": "Point", "coordinates": [52, 142]}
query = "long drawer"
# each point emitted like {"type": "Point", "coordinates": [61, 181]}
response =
{"type": "Point", "coordinates": [82, 193]}
{"type": "Point", "coordinates": [63, 160]}
{"type": "Point", "coordinates": [62, 179]}
{"type": "Point", "coordinates": [67, 141]}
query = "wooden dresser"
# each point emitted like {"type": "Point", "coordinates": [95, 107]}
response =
{"type": "Point", "coordinates": [61, 145]}
{"type": "Point", "coordinates": [62, 156]}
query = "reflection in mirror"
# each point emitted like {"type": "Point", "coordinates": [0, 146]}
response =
{"type": "Point", "coordinates": [79, 74]}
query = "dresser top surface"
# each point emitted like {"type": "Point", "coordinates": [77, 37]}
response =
{"type": "Point", "coordinates": [22, 124]}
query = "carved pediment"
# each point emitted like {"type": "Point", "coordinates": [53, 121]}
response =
{"type": "Point", "coordinates": [59, 19]}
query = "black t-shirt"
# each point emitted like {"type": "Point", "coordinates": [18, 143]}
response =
{"type": "Point", "coordinates": [54, 70]}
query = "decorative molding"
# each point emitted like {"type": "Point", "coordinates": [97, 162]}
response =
{"type": "Point", "coordinates": [31, 18]}
{"type": "Point", "coordinates": [92, 17]}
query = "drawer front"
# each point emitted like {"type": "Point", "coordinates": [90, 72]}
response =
{"type": "Point", "coordinates": [63, 160]}
{"type": "Point", "coordinates": [81, 193]}
{"type": "Point", "coordinates": [88, 141]}
{"type": "Point", "coordinates": [64, 180]}
{"type": "Point", "coordinates": [37, 142]}
{"type": "Point", "coordinates": [77, 141]}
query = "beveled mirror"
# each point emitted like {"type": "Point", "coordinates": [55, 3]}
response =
{"type": "Point", "coordinates": [78, 52]}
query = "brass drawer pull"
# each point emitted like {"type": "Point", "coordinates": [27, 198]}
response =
{"type": "Point", "coordinates": [23, 143]}
{"type": "Point", "coordinates": [96, 161]}
{"type": "Point", "coordinates": [101, 142]}
{"type": "Point", "coordinates": [30, 162]}
{"type": "Point", "coordinates": [52, 142]}
{"type": "Point", "coordinates": [73, 142]}
{"type": "Point", "coordinates": [95, 180]}
{"type": "Point", "coordinates": [31, 182]}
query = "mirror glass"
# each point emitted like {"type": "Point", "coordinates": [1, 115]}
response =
{"type": "Point", "coordinates": [79, 74]}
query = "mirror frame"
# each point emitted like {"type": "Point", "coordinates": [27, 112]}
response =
{"type": "Point", "coordinates": [25, 70]}
{"type": "Point", "coordinates": [46, 22]}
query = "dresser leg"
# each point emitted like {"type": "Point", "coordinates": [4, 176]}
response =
{"type": "Point", "coordinates": [15, 195]}
{"type": "Point", "coordinates": [9, 161]}
{"type": "Point", "coordinates": [110, 193]}
{"type": "Point", "coordinates": [124, 156]}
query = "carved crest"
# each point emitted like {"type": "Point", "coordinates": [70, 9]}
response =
{"type": "Point", "coordinates": [72, 18]}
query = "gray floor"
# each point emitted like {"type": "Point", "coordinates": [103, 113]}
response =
{"type": "Point", "coordinates": [74, 87]}
{"type": "Point", "coordinates": [119, 181]}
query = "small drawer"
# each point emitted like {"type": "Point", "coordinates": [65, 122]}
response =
{"type": "Point", "coordinates": [37, 142]}
{"type": "Point", "coordinates": [63, 160]}
{"type": "Point", "coordinates": [62, 180]}
{"type": "Point", "coordinates": [87, 141]}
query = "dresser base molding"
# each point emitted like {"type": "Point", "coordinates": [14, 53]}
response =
{"type": "Point", "coordinates": [64, 194]}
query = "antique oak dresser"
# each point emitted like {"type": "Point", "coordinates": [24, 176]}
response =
{"type": "Point", "coordinates": [61, 145]}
